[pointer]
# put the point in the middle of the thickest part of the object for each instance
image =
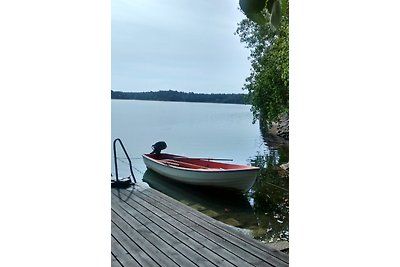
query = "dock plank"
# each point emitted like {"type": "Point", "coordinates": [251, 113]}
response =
{"type": "Point", "coordinates": [116, 248]}
{"type": "Point", "coordinates": [218, 255]}
{"type": "Point", "coordinates": [170, 235]}
{"type": "Point", "coordinates": [254, 245]}
{"type": "Point", "coordinates": [133, 248]}
{"type": "Point", "coordinates": [156, 236]}
{"type": "Point", "coordinates": [124, 260]}
{"type": "Point", "coordinates": [151, 229]}
{"type": "Point", "coordinates": [230, 253]}
{"type": "Point", "coordinates": [114, 262]}
{"type": "Point", "coordinates": [242, 256]}
{"type": "Point", "coordinates": [146, 246]}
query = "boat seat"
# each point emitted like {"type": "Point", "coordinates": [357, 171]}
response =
{"type": "Point", "coordinates": [183, 164]}
{"type": "Point", "coordinates": [169, 161]}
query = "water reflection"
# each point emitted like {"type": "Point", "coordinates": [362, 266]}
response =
{"type": "Point", "coordinates": [270, 198]}
{"type": "Point", "coordinates": [270, 193]}
{"type": "Point", "coordinates": [223, 205]}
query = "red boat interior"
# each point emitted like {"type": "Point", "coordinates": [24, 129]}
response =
{"type": "Point", "coordinates": [194, 163]}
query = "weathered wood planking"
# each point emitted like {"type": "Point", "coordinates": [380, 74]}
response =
{"type": "Point", "coordinates": [203, 219]}
{"type": "Point", "coordinates": [229, 251]}
{"type": "Point", "coordinates": [167, 234]}
{"type": "Point", "coordinates": [236, 246]}
{"type": "Point", "coordinates": [186, 234]}
{"type": "Point", "coordinates": [151, 229]}
{"type": "Point", "coordinates": [224, 230]}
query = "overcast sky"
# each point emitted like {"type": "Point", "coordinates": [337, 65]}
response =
{"type": "Point", "coordinates": [182, 45]}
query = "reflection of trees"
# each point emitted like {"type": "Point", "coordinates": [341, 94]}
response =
{"type": "Point", "coordinates": [270, 197]}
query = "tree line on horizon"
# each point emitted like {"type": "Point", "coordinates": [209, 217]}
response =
{"type": "Point", "coordinates": [177, 96]}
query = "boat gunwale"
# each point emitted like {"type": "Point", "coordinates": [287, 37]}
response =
{"type": "Point", "coordinates": [248, 168]}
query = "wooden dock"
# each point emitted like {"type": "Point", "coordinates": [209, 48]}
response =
{"type": "Point", "coordinates": [150, 229]}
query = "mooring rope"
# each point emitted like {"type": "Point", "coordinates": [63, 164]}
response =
{"type": "Point", "coordinates": [127, 163]}
{"type": "Point", "coordinates": [129, 158]}
{"type": "Point", "coordinates": [277, 186]}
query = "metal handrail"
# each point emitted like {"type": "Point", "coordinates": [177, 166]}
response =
{"type": "Point", "coordinates": [115, 159]}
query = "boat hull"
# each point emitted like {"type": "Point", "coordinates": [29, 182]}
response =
{"type": "Point", "coordinates": [237, 179]}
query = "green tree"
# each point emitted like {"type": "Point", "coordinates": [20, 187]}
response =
{"type": "Point", "coordinates": [268, 83]}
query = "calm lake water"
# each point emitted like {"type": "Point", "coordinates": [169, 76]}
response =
{"type": "Point", "coordinates": [206, 130]}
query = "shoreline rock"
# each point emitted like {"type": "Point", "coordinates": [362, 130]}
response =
{"type": "Point", "coordinates": [281, 128]}
{"type": "Point", "coordinates": [285, 166]}
{"type": "Point", "coordinates": [278, 132]}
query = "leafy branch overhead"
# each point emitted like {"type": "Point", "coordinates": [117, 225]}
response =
{"type": "Point", "coordinates": [268, 41]}
{"type": "Point", "coordinates": [253, 9]}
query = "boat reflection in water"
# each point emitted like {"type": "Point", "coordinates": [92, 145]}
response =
{"type": "Point", "coordinates": [226, 206]}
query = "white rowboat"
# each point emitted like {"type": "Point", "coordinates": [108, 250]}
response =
{"type": "Point", "coordinates": [202, 172]}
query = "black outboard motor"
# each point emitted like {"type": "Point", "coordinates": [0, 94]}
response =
{"type": "Point", "coordinates": [157, 147]}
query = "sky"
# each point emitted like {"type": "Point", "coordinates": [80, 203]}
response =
{"type": "Point", "coordinates": [178, 45]}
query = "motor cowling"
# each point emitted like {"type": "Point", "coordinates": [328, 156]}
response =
{"type": "Point", "coordinates": [157, 147]}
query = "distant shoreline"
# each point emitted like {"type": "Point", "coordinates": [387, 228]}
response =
{"type": "Point", "coordinates": [175, 96]}
{"type": "Point", "coordinates": [181, 101]}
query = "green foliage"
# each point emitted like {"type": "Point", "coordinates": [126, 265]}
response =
{"type": "Point", "coordinates": [268, 83]}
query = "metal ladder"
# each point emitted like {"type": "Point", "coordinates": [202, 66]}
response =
{"type": "Point", "coordinates": [117, 182]}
